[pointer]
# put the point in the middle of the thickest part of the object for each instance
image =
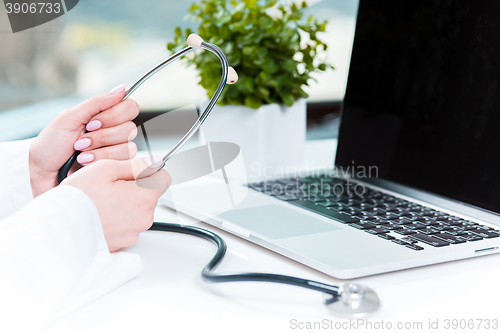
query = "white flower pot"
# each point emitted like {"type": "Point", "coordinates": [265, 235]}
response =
{"type": "Point", "coordinates": [271, 138]}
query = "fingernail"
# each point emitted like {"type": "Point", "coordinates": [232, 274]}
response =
{"type": "Point", "coordinates": [155, 162]}
{"type": "Point", "coordinates": [85, 158]}
{"type": "Point", "coordinates": [94, 125]}
{"type": "Point", "coordinates": [117, 89]}
{"type": "Point", "coordinates": [82, 144]}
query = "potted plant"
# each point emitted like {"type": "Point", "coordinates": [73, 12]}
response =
{"type": "Point", "coordinates": [274, 53]}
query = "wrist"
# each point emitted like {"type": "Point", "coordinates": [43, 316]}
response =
{"type": "Point", "coordinates": [40, 180]}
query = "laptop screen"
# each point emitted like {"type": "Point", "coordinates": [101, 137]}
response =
{"type": "Point", "coordinates": [422, 102]}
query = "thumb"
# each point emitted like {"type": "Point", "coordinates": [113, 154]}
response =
{"type": "Point", "coordinates": [134, 169]}
{"type": "Point", "coordinates": [86, 110]}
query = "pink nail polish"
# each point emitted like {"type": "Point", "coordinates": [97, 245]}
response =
{"type": "Point", "coordinates": [85, 158]}
{"type": "Point", "coordinates": [82, 144]}
{"type": "Point", "coordinates": [94, 125]}
{"type": "Point", "coordinates": [155, 162]}
{"type": "Point", "coordinates": [118, 89]}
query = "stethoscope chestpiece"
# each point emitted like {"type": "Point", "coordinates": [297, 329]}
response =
{"type": "Point", "coordinates": [355, 300]}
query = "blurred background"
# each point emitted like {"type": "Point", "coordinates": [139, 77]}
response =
{"type": "Point", "coordinates": [101, 44]}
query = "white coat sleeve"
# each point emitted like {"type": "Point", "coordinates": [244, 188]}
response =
{"type": "Point", "coordinates": [15, 187]}
{"type": "Point", "coordinates": [54, 259]}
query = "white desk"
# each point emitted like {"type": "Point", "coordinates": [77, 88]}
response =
{"type": "Point", "coordinates": [169, 295]}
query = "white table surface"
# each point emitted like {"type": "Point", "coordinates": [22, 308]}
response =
{"type": "Point", "coordinates": [169, 295]}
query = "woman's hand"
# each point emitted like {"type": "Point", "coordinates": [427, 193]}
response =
{"type": "Point", "coordinates": [110, 130]}
{"type": "Point", "coordinates": [125, 208]}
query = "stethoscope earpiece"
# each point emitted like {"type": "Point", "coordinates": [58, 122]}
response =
{"type": "Point", "coordinates": [232, 76]}
{"type": "Point", "coordinates": [194, 41]}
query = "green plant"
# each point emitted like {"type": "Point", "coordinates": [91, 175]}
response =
{"type": "Point", "coordinates": [263, 43]}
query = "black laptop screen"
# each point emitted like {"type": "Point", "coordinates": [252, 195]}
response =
{"type": "Point", "coordinates": [423, 97]}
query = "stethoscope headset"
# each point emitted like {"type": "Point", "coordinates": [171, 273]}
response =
{"type": "Point", "coordinates": [348, 300]}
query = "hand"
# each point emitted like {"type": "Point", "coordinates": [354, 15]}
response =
{"type": "Point", "coordinates": [125, 208]}
{"type": "Point", "coordinates": [108, 121]}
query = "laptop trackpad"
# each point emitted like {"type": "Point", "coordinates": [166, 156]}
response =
{"type": "Point", "coordinates": [276, 221]}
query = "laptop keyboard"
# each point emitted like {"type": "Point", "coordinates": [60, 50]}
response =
{"type": "Point", "coordinates": [397, 220]}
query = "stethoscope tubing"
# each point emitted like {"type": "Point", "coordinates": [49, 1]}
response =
{"type": "Point", "coordinates": [207, 272]}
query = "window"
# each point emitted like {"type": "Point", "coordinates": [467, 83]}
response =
{"type": "Point", "coordinates": [100, 44]}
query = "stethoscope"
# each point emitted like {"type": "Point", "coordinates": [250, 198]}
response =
{"type": "Point", "coordinates": [347, 300]}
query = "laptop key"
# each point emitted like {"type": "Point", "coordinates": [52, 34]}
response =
{"type": "Point", "coordinates": [428, 231]}
{"type": "Point", "coordinates": [429, 240]}
{"type": "Point", "coordinates": [414, 247]}
{"type": "Point", "coordinates": [485, 228]}
{"type": "Point", "coordinates": [414, 226]}
{"type": "Point", "coordinates": [441, 227]}
{"type": "Point", "coordinates": [286, 197]}
{"type": "Point", "coordinates": [405, 232]}
{"type": "Point", "coordinates": [456, 232]}
{"type": "Point", "coordinates": [408, 240]}
{"type": "Point", "coordinates": [386, 236]}
{"type": "Point", "coordinates": [484, 233]}
{"type": "Point", "coordinates": [376, 221]}
{"type": "Point", "coordinates": [466, 227]}
{"type": "Point", "coordinates": [391, 226]}
{"type": "Point", "coordinates": [330, 213]}
{"type": "Point", "coordinates": [328, 203]}
{"type": "Point", "coordinates": [449, 238]}
{"type": "Point", "coordinates": [399, 241]}
{"type": "Point", "coordinates": [470, 238]}
{"type": "Point", "coordinates": [377, 231]}
{"type": "Point", "coordinates": [315, 199]}
{"type": "Point", "coordinates": [401, 221]}
{"type": "Point", "coordinates": [362, 225]}
{"type": "Point", "coordinates": [451, 223]}
{"type": "Point", "coordinates": [470, 223]}
{"type": "Point", "coordinates": [428, 223]}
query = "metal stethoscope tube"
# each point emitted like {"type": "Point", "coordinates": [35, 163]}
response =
{"type": "Point", "coordinates": [350, 300]}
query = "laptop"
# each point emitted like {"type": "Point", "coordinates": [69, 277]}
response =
{"type": "Point", "coordinates": [416, 178]}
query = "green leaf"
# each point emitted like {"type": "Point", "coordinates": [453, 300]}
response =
{"type": "Point", "coordinates": [289, 65]}
{"type": "Point", "coordinates": [288, 99]}
{"type": "Point", "coordinates": [270, 44]}
{"type": "Point", "coordinates": [263, 92]}
{"type": "Point", "coordinates": [250, 3]}
{"type": "Point", "coordinates": [261, 78]}
{"type": "Point", "coordinates": [228, 47]}
{"type": "Point", "coordinates": [253, 102]}
{"type": "Point", "coordinates": [322, 27]}
{"type": "Point", "coordinates": [266, 22]}
{"type": "Point", "coordinates": [221, 18]}
{"type": "Point", "coordinates": [238, 8]}
{"type": "Point", "coordinates": [272, 83]}
{"type": "Point", "coordinates": [271, 66]}
{"type": "Point", "coordinates": [194, 7]}
{"type": "Point", "coordinates": [248, 50]}
{"type": "Point", "coordinates": [247, 84]}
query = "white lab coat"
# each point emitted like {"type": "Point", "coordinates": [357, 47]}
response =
{"type": "Point", "coordinates": [54, 258]}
